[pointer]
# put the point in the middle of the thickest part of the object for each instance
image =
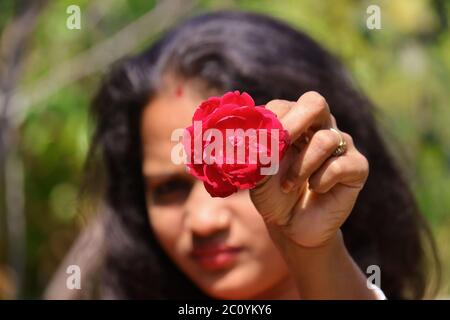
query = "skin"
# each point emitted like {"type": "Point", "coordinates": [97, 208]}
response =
{"type": "Point", "coordinates": [286, 230]}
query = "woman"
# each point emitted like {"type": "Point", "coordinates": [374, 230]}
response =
{"type": "Point", "coordinates": [291, 237]}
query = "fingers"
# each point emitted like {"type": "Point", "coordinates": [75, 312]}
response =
{"type": "Point", "coordinates": [280, 107]}
{"type": "Point", "coordinates": [311, 157]}
{"type": "Point", "coordinates": [310, 118]}
{"type": "Point", "coordinates": [350, 169]}
{"type": "Point", "coordinates": [311, 111]}
{"type": "Point", "coordinates": [316, 164]}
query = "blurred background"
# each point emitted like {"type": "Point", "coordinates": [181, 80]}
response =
{"type": "Point", "coordinates": [49, 72]}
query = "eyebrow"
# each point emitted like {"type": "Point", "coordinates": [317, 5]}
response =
{"type": "Point", "coordinates": [157, 169]}
{"type": "Point", "coordinates": [161, 175]}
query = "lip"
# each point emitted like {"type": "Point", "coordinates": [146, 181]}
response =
{"type": "Point", "coordinates": [215, 257]}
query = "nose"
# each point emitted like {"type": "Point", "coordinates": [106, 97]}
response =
{"type": "Point", "coordinates": [206, 215]}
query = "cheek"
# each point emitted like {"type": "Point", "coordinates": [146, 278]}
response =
{"type": "Point", "coordinates": [252, 227]}
{"type": "Point", "coordinates": [264, 265]}
{"type": "Point", "coordinates": [167, 226]}
{"type": "Point", "coordinates": [266, 259]}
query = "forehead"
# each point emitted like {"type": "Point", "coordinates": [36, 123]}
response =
{"type": "Point", "coordinates": [168, 111]}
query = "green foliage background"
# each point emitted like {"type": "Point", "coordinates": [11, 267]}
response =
{"type": "Point", "coordinates": [404, 68]}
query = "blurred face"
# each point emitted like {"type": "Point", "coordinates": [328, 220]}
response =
{"type": "Point", "coordinates": [221, 244]}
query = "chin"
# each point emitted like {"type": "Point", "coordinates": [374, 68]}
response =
{"type": "Point", "coordinates": [236, 285]}
{"type": "Point", "coordinates": [238, 292]}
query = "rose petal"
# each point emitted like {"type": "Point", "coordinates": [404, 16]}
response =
{"type": "Point", "coordinates": [206, 108]}
{"type": "Point", "coordinates": [235, 97]}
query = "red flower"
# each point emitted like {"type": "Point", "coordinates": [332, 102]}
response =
{"type": "Point", "coordinates": [232, 144]}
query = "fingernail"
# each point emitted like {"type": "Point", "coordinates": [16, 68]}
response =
{"type": "Point", "coordinates": [287, 186]}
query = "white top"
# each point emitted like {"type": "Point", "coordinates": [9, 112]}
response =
{"type": "Point", "coordinates": [378, 292]}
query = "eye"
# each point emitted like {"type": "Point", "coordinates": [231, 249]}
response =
{"type": "Point", "coordinates": [172, 191]}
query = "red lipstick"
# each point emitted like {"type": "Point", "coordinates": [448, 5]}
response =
{"type": "Point", "coordinates": [215, 256]}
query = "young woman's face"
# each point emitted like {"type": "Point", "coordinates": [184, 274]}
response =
{"type": "Point", "coordinates": [221, 244]}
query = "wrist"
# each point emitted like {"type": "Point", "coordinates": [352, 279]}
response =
{"type": "Point", "coordinates": [318, 261]}
{"type": "Point", "coordinates": [292, 250]}
{"type": "Point", "coordinates": [323, 272]}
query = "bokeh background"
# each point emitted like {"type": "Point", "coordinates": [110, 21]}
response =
{"type": "Point", "coordinates": [49, 73]}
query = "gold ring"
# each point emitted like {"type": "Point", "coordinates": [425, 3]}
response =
{"type": "Point", "coordinates": [340, 150]}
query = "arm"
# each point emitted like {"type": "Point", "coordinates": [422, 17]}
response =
{"type": "Point", "coordinates": [307, 201]}
{"type": "Point", "coordinates": [326, 272]}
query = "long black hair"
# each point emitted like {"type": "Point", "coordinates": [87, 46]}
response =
{"type": "Point", "coordinates": [269, 60]}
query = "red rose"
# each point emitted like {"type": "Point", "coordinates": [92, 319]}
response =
{"type": "Point", "coordinates": [253, 142]}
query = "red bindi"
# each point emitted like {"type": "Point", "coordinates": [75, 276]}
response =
{"type": "Point", "coordinates": [179, 91]}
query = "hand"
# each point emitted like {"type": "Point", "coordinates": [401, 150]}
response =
{"type": "Point", "coordinates": [313, 192]}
